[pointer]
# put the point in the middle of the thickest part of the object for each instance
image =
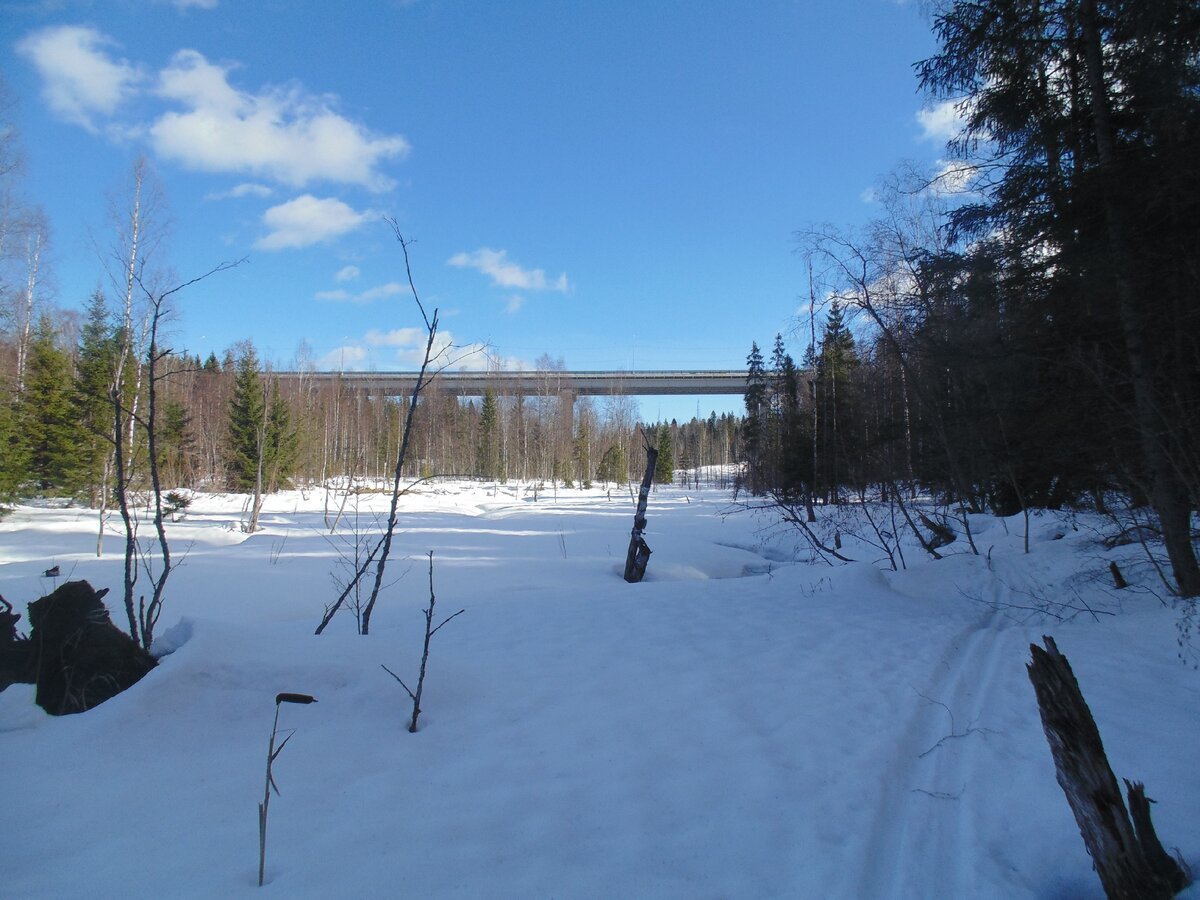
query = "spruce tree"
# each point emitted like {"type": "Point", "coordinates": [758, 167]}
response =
{"type": "Point", "coordinates": [14, 454]}
{"type": "Point", "coordinates": [754, 437]}
{"type": "Point", "coordinates": [247, 422]}
{"type": "Point", "coordinates": [612, 464]}
{"type": "Point", "coordinates": [55, 442]}
{"type": "Point", "coordinates": [487, 457]}
{"type": "Point", "coordinates": [282, 442]}
{"type": "Point", "coordinates": [837, 363]}
{"type": "Point", "coordinates": [260, 430]}
{"type": "Point", "coordinates": [664, 467]}
{"type": "Point", "coordinates": [94, 372]}
{"type": "Point", "coordinates": [582, 453]}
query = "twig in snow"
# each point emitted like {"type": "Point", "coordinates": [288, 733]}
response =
{"type": "Point", "coordinates": [430, 631]}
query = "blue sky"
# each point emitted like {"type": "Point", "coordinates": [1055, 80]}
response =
{"type": "Point", "coordinates": [616, 184]}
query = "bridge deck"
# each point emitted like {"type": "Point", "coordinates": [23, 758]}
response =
{"type": "Point", "coordinates": [580, 384]}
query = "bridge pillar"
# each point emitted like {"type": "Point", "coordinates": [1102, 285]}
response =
{"type": "Point", "coordinates": [566, 409]}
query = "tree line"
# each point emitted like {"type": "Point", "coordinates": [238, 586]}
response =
{"type": "Point", "coordinates": [1022, 329]}
{"type": "Point", "coordinates": [230, 423]}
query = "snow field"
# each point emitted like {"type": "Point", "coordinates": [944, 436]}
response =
{"type": "Point", "coordinates": [735, 726]}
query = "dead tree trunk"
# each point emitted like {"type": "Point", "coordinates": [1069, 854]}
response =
{"type": "Point", "coordinates": [16, 651]}
{"type": "Point", "coordinates": [80, 658]}
{"type": "Point", "coordinates": [1126, 854]}
{"type": "Point", "coordinates": [639, 551]}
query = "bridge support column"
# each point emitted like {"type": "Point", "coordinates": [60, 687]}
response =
{"type": "Point", "coordinates": [566, 409]}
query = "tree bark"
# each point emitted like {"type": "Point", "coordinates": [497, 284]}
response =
{"type": "Point", "coordinates": [639, 551]}
{"type": "Point", "coordinates": [1126, 854]}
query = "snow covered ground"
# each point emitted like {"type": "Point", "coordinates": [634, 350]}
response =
{"type": "Point", "coordinates": [739, 725]}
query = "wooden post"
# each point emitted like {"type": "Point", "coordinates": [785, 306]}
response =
{"type": "Point", "coordinates": [639, 551]}
{"type": "Point", "coordinates": [1126, 854]}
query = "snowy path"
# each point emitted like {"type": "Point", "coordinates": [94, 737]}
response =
{"type": "Point", "coordinates": [925, 824]}
{"type": "Point", "coordinates": [733, 727]}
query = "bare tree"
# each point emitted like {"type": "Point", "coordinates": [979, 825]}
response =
{"type": "Point", "coordinates": [141, 625]}
{"type": "Point", "coordinates": [430, 631]}
{"type": "Point", "coordinates": [380, 553]}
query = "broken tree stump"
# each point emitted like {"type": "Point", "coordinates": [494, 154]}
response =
{"type": "Point", "coordinates": [639, 551]}
{"type": "Point", "coordinates": [80, 658]}
{"type": "Point", "coordinates": [16, 653]}
{"type": "Point", "coordinates": [1126, 853]}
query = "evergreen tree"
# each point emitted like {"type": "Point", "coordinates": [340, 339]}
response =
{"type": "Point", "coordinates": [754, 437]}
{"type": "Point", "coordinates": [582, 446]}
{"type": "Point", "coordinates": [247, 422]}
{"type": "Point", "coordinates": [94, 372]}
{"type": "Point", "coordinates": [14, 454]}
{"type": "Point", "coordinates": [664, 467]}
{"type": "Point", "coordinates": [260, 430]}
{"type": "Point", "coordinates": [175, 442]}
{"type": "Point", "coordinates": [487, 459]}
{"type": "Point", "coordinates": [612, 465]}
{"type": "Point", "coordinates": [1089, 112]}
{"type": "Point", "coordinates": [838, 447]}
{"type": "Point", "coordinates": [282, 441]}
{"type": "Point", "coordinates": [55, 442]}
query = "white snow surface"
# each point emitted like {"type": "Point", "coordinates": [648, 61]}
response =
{"type": "Point", "coordinates": [742, 724]}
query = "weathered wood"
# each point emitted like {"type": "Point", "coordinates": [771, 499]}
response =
{"type": "Point", "coordinates": [639, 551]}
{"type": "Point", "coordinates": [81, 658]}
{"type": "Point", "coordinates": [1118, 848]}
{"type": "Point", "coordinates": [16, 653]}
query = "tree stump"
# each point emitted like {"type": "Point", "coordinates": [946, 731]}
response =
{"type": "Point", "coordinates": [639, 551]}
{"type": "Point", "coordinates": [80, 658]}
{"type": "Point", "coordinates": [16, 653]}
{"type": "Point", "coordinates": [1126, 854]}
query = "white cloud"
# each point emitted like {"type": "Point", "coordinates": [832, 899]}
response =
{"type": "Point", "coordinates": [943, 121]}
{"type": "Point", "coordinates": [349, 273]}
{"type": "Point", "coordinates": [246, 189]}
{"type": "Point", "coordinates": [183, 5]}
{"type": "Point", "coordinates": [79, 78]}
{"type": "Point", "coordinates": [371, 294]}
{"type": "Point", "coordinates": [404, 349]}
{"type": "Point", "coordinates": [513, 304]}
{"type": "Point", "coordinates": [339, 358]}
{"type": "Point", "coordinates": [397, 337]}
{"type": "Point", "coordinates": [495, 264]}
{"type": "Point", "coordinates": [308, 220]}
{"type": "Point", "coordinates": [284, 134]}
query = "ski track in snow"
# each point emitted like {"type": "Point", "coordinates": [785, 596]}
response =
{"type": "Point", "coordinates": [929, 797]}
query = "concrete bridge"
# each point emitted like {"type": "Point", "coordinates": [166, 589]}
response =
{"type": "Point", "coordinates": [544, 383]}
{"type": "Point", "coordinates": [567, 386]}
